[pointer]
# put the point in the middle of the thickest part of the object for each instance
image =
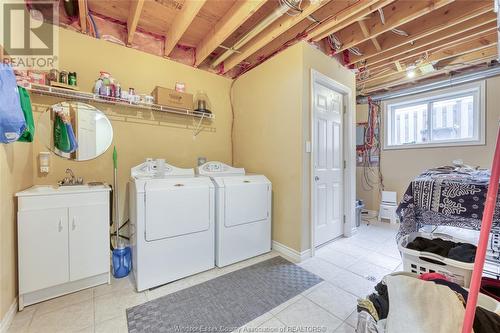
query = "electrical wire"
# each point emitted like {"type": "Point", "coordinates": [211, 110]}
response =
{"type": "Point", "coordinates": [400, 32]}
{"type": "Point", "coordinates": [372, 173]}
{"type": "Point", "coordinates": [355, 51]}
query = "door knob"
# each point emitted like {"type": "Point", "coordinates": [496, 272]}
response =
{"type": "Point", "coordinates": [316, 178]}
{"type": "Point", "coordinates": [60, 227]}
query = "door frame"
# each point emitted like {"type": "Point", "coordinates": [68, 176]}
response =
{"type": "Point", "coordinates": [349, 175]}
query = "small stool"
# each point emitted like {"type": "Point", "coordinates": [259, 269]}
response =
{"type": "Point", "coordinates": [388, 207]}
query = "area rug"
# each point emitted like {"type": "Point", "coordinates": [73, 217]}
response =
{"type": "Point", "coordinates": [225, 303]}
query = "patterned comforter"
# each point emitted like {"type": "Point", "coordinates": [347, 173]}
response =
{"type": "Point", "coordinates": [446, 197]}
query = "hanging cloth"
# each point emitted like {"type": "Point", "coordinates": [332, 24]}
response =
{"type": "Point", "coordinates": [61, 139]}
{"type": "Point", "coordinates": [12, 123]}
{"type": "Point", "coordinates": [29, 133]}
{"type": "Point", "coordinates": [73, 144]}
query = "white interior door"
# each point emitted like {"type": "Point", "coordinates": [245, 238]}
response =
{"type": "Point", "coordinates": [328, 163]}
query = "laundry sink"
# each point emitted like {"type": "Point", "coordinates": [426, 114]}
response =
{"type": "Point", "coordinates": [54, 190]}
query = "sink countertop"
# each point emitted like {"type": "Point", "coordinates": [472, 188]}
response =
{"type": "Point", "coordinates": [38, 190]}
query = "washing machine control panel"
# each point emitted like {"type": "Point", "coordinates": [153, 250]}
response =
{"type": "Point", "coordinates": [218, 168]}
{"type": "Point", "coordinates": [159, 169]}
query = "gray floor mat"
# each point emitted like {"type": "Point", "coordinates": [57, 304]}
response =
{"type": "Point", "coordinates": [224, 303]}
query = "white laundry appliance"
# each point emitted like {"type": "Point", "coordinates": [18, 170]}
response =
{"type": "Point", "coordinates": [172, 223]}
{"type": "Point", "coordinates": [242, 213]}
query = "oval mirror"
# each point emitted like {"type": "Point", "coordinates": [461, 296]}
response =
{"type": "Point", "coordinates": [75, 131]}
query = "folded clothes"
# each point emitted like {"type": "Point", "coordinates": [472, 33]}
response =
{"type": "Point", "coordinates": [486, 321]}
{"type": "Point", "coordinates": [464, 252]}
{"type": "Point", "coordinates": [367, 305]}
{"type": "Point", "coordinates": [432, 276]}
{"type": "Point", "coordinates": [457, 251]}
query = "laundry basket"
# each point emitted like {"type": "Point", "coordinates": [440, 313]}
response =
{"type": "Point", "coordinates": [424, 262]}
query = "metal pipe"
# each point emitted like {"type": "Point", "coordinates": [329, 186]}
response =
{"type": "Point", "coordinates": [276, 14]}
{"type": "Point", "coordinates": [454, 80]}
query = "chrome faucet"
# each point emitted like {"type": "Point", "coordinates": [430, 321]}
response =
{"type": "Point", "coordinates": [70, 181]}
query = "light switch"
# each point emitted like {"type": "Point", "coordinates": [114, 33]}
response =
{"type": "Point", "coordinates": [308, 146]}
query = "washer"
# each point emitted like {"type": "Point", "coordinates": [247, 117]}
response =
{"type": "Point", "coordinates": [172, 223]}
{"type": "Point", "coordinates": [242, 213]}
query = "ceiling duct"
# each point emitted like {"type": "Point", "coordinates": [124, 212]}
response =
{"type": "Point", "coordinates": [449, 82]}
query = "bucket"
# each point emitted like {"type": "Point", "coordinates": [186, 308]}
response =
{"type": "Point", "coordinates": [122, 262]}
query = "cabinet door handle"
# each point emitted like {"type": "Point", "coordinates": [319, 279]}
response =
{"type": "Point", "coordinates": [60, 228]}
{"type": "Point", "coordinates": [73, 225]}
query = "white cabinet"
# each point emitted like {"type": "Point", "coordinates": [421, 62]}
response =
{"type": "Point", "coordinates": [63, 241]}
{"type": "Point", "coordinates": [43, 247]}
{"type": "Point", "coordinates": [88, 240]}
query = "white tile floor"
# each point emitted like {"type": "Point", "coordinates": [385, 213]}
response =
{"type": "Point", "coordinates": [349, 266]}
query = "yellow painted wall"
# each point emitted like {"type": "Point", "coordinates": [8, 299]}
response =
{"type": "Point", "coordinates": [267, 136]}
{"type": "Point", "coordinates": [399, 167]}
{"type": "Point", "coordinates": [314, 59]}
{"type": "Point", "coordinates": [139, 134]}
{"type": "Point", "coordinates": [271, 127]}
{"type": "Point", "coordinates": [15, 174]}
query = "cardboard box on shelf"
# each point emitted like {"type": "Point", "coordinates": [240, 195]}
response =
{"type": "Point", "coordinates": [172, 98]}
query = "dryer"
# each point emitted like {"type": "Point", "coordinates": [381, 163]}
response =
{"type": "Point", "coordinates": [172, 223]}
{"type": "Point", "coordinates": [242, 212]}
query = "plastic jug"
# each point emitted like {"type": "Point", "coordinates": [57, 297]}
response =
{"type": "Point", "coordinates": [122, 262]}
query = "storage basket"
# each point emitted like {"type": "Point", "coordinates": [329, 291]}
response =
{"type": "Point", "coordinates": [420, 262]}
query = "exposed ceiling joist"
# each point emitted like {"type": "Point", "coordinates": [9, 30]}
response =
{"type": "Point", "coordinates": [270, 33]}
{"type": "Point", "coordinates": [459, 49]}
{"type": "Point", "coordinates": [456, 63]}
{"type": "Point", "coordinates": [486, 53]}
{"type": "Point", "coordinates": [181, 23]}
{"type": "Point", "coordinates": [454, 37]}
{"type": "Point", "coordinates": [233, 19]}
{"type": "Point", "coordinates": [366, 33]}
{"type": "Point", "coordinates": [446, 19]}
{"type": "Point", "coordinates": [347, 17]}
{"type": "Point", "coordinates": [133, 19]}
{"type": "Point", "coordinates": [395, 15]}
{"type": "Point", "coordinates": [82, 13]}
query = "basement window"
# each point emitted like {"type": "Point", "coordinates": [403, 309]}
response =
{"type": "Point", "coordinates": [449, 117]}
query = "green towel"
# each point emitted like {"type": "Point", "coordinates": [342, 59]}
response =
{"type": "Point", "coordinates": [29, 133]}
{"type": "Point", "coordinates": [61, 138]}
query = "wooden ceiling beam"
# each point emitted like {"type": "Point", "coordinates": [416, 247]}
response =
{"type": "Point", "coordinates": [396, 14]}
{"type": "Point", "coordinates": [460, 62]}
{"type": "Point", "coordinates": [133, 19]}
{"type": "Point", "coordinates": [462, 48]}
{"type": "Point", "coordinates": [181, 23]}
{"type": "Point", "coordinates": [232, 20]}
{"type": "Point", "coordinates": [347, 17]}
{"type": "Point", "coordinates": [272, 32]}
{"type": "Point", "coordinates": [399, 55]}
{"type": "Point", "coordinates": [448, 19]}
{"type": "Point", "coordinates": [366, 33]}
{"type": "Point", "coordinates": [82, 13]}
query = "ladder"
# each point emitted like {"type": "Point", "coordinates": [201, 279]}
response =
{"type": "Point", "coordinates": [489, 209]}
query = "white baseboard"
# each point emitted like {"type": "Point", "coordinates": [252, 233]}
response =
{"type": "Point", "coordinates": [290, 253]}
{"type": "Point", "coordinates": [9, 317]}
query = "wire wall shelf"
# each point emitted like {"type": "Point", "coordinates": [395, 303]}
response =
{"type": "Point", "coordinates": [89, 97]}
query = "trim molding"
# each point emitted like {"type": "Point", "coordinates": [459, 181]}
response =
{"type": "Point", "coordinates": [290, 253]}
{"type": "Point", "coordinates": [9, 317]}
